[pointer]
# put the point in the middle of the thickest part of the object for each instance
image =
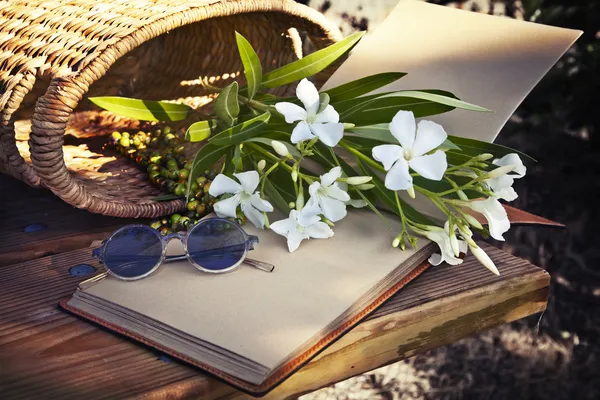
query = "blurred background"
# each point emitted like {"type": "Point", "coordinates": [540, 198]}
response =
{"type": "Point", "coordinates": [556, 355]}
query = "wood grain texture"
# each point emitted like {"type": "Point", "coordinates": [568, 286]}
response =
{"type": "Point", "coordinates": [66, 228]}
{"type": "Point", "coordinates": [45, 352]}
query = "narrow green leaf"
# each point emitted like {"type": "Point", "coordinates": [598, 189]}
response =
{"type": "Point", "coordinates": [241, 132]}
{"type": "Point", "coordinates": [251, 62]}
{"type": "Point", "coordinates": [267, 142]}
{"type": "Point", "coordinates": [449, 145]}
{"type": "Point", "coordinates": [473, 147]}
{"type": "Point", "coordinates": [362, 86]}
{"type": "Point", "coordinates": [143, 110]}
{"type": "Point", "coordinates": [437, 98]}
{"type": "Point", "coordinates": [198, 131]}
{"type": "Point", "coordinates": [227, 106]}
{"type": "Point", "coordinates": [311, 64]}
{"type": "Point", "coordinates": [275, 198]}
{"type": "Point", "coordinates": [206, 157]}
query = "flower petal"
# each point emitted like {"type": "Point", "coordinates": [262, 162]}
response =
{"type": "Point", "coordinates": [435, 259]}
{"type": "Point", "coordinates": [329, 178]}
{"type": "Point", "coordinates": [333, 209]}
{"type": "Point", "coordinates": [328, 115]}
{"type": "Point", "coordinates": [508, 194]}
{"type": "Point", "coordinates": [294, 238]}
{"type": "Point", "coordinates": [227, 207]}
{"type": "Point", "coordinates": [260, 204]}
{"type": "Point", "coordinates": [495, 214]}
{"type": "Point", "coordinates": [512, 159]}
{"type": "Point", "coordinates": [502, 187]}
{"type": "Point", "coordinates": [309, 214]}
{"type": "Point", "coordinates": [309, 96]}
{"type": "Point", "coordinates": [282, 227]}
{"type": "Point", "coordinates": [430, 166]}
{"type": "Point", "coordinates": [335, 192]}
{"type": "Point", "coordinates": [387, 154]}
{"type": "Point", "coordinates": [292, 112]}
{"type": "Point", "coordinates": [329, 133]}
{"type": "Point", "coordinates": [253, 215]}
{"type": "Point", "coordinates": [223, 184]}
{"type": "Point", "coordinates": [248, 180]}
{"type": "Point", "coordinates": [319, 230]}
{"type": "Point", "coordinates": [403, 127]}
{"type": "Point", "coordinates": [429, 136]}
{"type": "Point", "coordinates": [313, 189]}
{"type": "Point", "coordinates": [398, 177]}
{"type": "Point", "coordinates": [301, 133]}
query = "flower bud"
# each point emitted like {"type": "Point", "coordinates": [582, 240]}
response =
{"type": "Point", "coordinates": [484, 157]}
{"type": "Point", "coordinates": [472, 221]}
{"type": "Point", "coordinates": [261, 165]}
{"type": "Point", "coordinates": [484, 258]}
{"type": "Point", "coordinates": [348, 125]}
{"type": "Point", "coordinates": [462, 195]}
{"type": "Point", "coordinates": [366, 186]}
{"type": "Point", "coordinates": [280, 148]}
{"type": "Point", "coordinates": [500, 171]}
{"type": "Point", "coordinates": [358, 180]}
{"type": "Point", "coordinates": [396, 242]}
{"type": "Point", "coordinates": [294, 173]}
{"type": "Point", "coordinates": [291, 204]}
{"type": "Point", "coordinates": [300, 202]}
{"type": "Point", "coordinates": [411, 192]}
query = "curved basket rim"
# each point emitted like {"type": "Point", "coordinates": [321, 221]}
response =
{"type": "Point", "coordinates": [75, 86]}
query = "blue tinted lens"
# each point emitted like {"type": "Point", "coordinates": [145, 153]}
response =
{"type": "Point", "coordinates": [133, 252]}
{"type": "Point", "coordinates": [216, 244]}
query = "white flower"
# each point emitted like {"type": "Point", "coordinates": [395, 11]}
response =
{"type": "Point", "coordinates": [450, 246]}
{"type": "Point", "coordinates": [494, 213]}
{"type": "Point", "coordinates": [328, 196]}
{"type": "Point", "coordinates": [302, 225]}
{"type": "Point", "coordinates": [324, 125]}
{"type": "Point", "coordinates": [415, 142]}
{"type": "Point", "coordinates": [243, 194]}
{"type": "Point", "coordinates": [502, 186]}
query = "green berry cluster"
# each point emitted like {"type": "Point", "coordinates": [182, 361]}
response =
{"type": "Point", "coordinates": [161, 152]}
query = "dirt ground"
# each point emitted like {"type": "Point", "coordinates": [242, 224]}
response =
{"type": "Point", "coordinates": [555, 356]}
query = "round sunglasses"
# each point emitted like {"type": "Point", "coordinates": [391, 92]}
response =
{"type": "Point", "coordinates": [214, 245]}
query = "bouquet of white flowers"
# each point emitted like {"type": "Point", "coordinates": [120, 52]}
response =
{"type": "Point", "coordinates": [367, 148]}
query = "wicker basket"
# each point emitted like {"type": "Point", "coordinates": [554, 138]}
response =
{"type": "Point", "coordinates": [54, 54]}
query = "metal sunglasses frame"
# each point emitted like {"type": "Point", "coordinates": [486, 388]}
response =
{"type": "Point", "coordinates": [250, 241]}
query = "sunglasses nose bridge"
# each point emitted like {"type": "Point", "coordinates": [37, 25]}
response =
{"type": "Point", "coordinates": [171, 236]}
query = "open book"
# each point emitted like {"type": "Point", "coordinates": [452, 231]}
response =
{"type": "Point", "coordinates": [252, 328]}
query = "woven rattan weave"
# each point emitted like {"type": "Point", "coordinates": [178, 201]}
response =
{"type": "Point", "coordinates": [55, 54]}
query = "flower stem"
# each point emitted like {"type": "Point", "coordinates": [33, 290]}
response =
{"type": "Point", "coordinates": [362, 157]}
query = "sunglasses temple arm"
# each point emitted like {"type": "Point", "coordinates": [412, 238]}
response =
{"type": "Point", "coordinates": [260, 265]}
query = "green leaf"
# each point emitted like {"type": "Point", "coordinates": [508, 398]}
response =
{"type": "Point", "coordinates": [267, 142]}
{"type": "Point", "coordinates": [473, 147]}
{"type": "Point", "coordinates": [449, 145]}
{"type": "Point", "coordinates": [362, 86]}
{"type": "Point", "coordinates": [227, 106]}
{"type": "Point", "coordinates": [206, 157]}
{"type": "Point", "coordinates": [198, 131]}
{"type": "Point", "coordinates": [275, 197]}
{"type": "Point", "coordinates": [241, 132]}
{"type": "Point", "coordinates": [143, 110]}
{"type": "Point", "coordinates": [251, 62]}
{"type": "Point", "coordinates": [311, 64]}
{"type": "Point", "coordinates": [369, 110]}
{"type": "Point", "coordinates": [379, 108]}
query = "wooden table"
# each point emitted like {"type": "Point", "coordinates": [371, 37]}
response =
{"type": "Point", "coordinates": [48, 353]}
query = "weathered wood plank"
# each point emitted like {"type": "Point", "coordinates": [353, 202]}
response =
{"type": "Point", "coordinates": [54, 226]}
{"type": "Point", "coordinates": [47, 352]}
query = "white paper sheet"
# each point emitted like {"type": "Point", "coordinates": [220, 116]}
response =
{"type": "Point", "coordinates": [486, 60]}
